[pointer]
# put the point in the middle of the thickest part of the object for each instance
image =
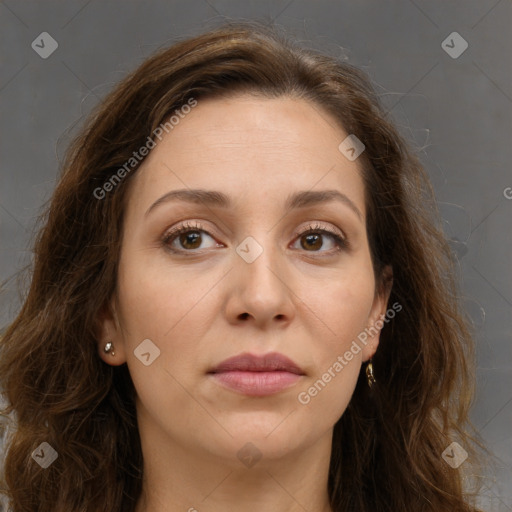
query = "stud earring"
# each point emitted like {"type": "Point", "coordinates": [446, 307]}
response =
{"type": "Point", "coordinates": [109, 348]}
{"type": "Point", "coordinates": [369, 374]}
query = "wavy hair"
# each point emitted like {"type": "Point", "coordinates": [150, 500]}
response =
{"type": "Point", "coordinates": [387, 446]}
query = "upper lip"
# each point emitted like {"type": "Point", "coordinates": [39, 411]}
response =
{"type": "Point", "coordinates": [270, 362]}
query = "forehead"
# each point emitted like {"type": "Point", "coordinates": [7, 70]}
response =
{"type": "Point", "coordinates": [246, 146]}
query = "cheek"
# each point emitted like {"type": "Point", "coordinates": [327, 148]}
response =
{"type": "Point", "coordinates": [342, 304]}
{"type": "Point", "coordinates": [344, 307]}
{"type": "Point", "coordinates": [157, 298]}
{"type": "Point", "coordinates": [172, 309]}
{"type": "Point", "coordinates": [169, 309]}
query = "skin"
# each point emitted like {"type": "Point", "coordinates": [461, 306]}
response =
{"type": "Point", "coordinates": [200, 307]}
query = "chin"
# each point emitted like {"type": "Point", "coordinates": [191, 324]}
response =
{"type": "Point", "coordinates": [274, 436]}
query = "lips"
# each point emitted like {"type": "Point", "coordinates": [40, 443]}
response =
{"type": "Point", "coordinates": [254, 375]}
{"type": "Point", "coordinates": [266, 363]}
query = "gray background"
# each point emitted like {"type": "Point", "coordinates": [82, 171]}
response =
{"type": "Point", "coordinates": [455, 111]}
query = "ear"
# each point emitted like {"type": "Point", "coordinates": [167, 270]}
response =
{"type": "Point", "coordinates": [109, 330]}
{"type": "Point", "coordinates": [376, 319]}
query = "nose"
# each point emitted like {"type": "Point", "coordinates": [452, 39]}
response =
{"type": "Point", "coordinates": [261, 292]}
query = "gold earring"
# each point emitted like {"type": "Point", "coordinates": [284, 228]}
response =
{"type": "Point", "coordinates": [369, 374]}
{"type": "Point", "coordinates": [109, 348]}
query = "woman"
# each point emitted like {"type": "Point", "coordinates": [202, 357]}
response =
{"type": "Point", "coordinates": [241, 300]}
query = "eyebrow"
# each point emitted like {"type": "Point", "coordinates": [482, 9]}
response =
{"type": "Point", "coordinates": [219, 199]}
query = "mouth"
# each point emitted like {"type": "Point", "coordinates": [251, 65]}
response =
{"type": "Point", "coordinates": [254, 375]}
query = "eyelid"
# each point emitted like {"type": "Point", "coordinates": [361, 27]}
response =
{"type": "Point", "coordinates": [184, 227]}
{"type": "Point", "coordinates": [316, 226]}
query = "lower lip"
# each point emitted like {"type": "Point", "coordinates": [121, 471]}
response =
{"type": "Point", "coordinates": [257, 383]}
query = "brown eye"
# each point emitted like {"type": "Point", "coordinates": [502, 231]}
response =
{"type": "Point", "coordinates": [318, 237]}
{"type": "Point", "coordinates": [188, 238]}
{"type": "Point", "coordinates": [311, 242]}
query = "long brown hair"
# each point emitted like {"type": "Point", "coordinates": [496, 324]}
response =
{"type": "Point", "coordinates": [387, 446]}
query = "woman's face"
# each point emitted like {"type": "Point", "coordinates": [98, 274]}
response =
{"type": "Point", "coordinates": [244, 278]}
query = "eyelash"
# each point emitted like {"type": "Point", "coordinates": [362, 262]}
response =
{"type": "Point", "coordinates": [340, 242]}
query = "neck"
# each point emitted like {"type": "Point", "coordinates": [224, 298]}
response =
{"type": "Point", "coordinates": [188, 479]}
